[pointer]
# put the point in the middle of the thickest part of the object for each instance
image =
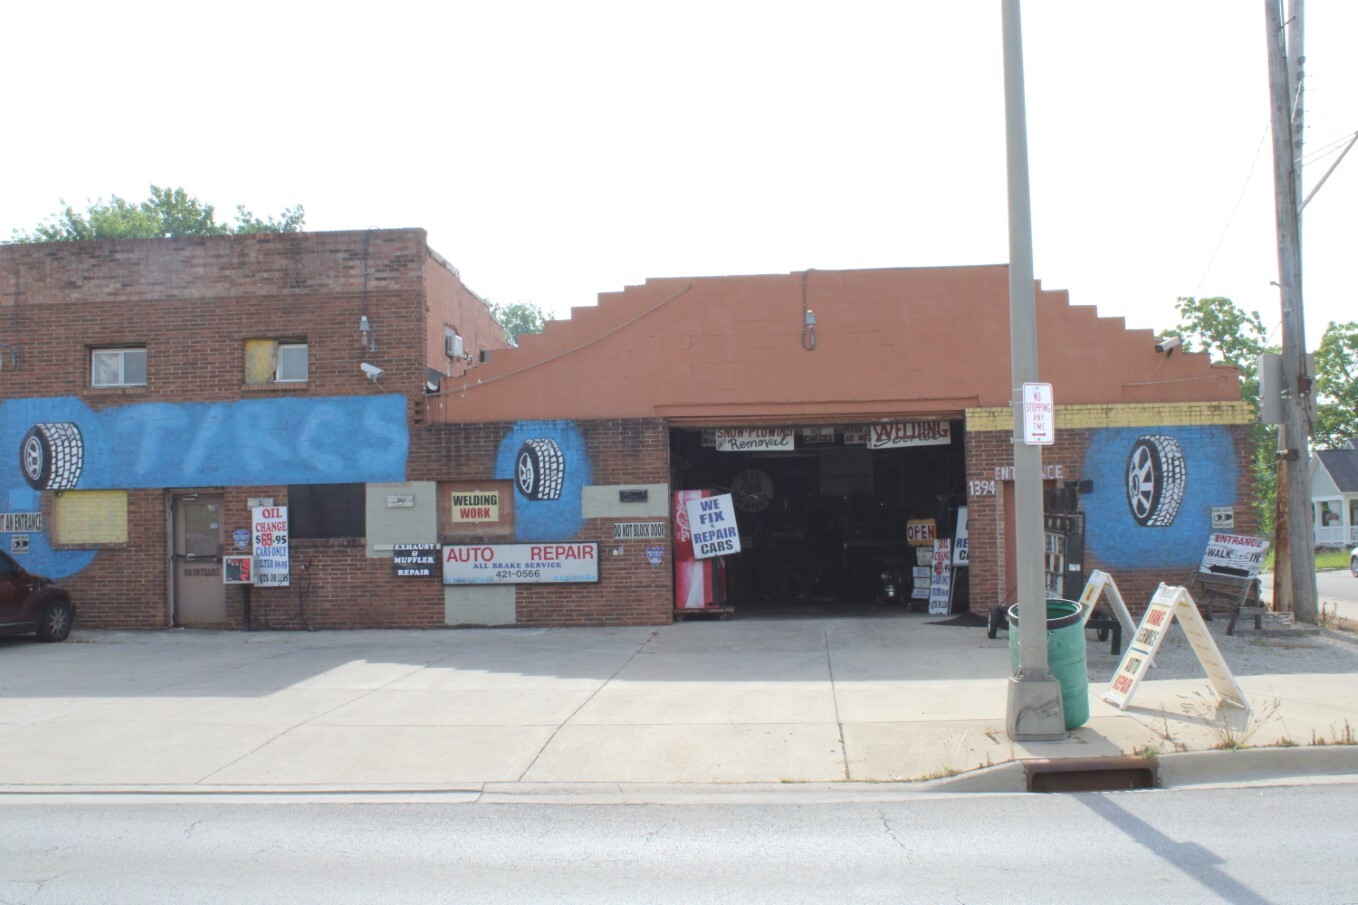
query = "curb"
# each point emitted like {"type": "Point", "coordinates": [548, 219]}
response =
{"type": "Point", "coordinates": [1194, 769]}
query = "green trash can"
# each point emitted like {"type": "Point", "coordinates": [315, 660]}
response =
{"type": "Point", "coordinates": [1065, 656]}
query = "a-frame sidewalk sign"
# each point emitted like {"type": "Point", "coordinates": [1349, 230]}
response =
{"type": "Point", "coordinates": [1168, 604]}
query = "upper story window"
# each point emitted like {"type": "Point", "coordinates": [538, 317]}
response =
{"type": "Point", "coordinates": [118, 368]}
{"type": "Point", "coordinates": [275, 361]}
{"type": "Point", "coordinates": [292, 363]}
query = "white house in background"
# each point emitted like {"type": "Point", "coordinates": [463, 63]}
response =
{"type": "Point", "coordinates": [1334, 495]}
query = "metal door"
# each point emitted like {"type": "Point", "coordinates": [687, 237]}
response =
{"type": "Point", "coordinates": [199, 594]}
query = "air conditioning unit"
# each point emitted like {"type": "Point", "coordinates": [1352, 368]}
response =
{"type": "Point", "coordinates": [452, 345]}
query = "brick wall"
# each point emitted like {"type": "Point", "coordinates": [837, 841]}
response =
{"type": "Point", "coordinates": [1092, 444]}
{"type": "Point", "coordinates": [630, 591]}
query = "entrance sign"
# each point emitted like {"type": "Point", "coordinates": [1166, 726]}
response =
{"type": "Point", "coordinates": [272, 562]}
{"type": "Point", "coordinates": [755, 438]}
{"type": "Point", "coordinates": [712, 523]}
{"type": "Point", "coordinates": [1039, 414]}
{"type": "Point", "coordinates": [543, 563]}
{"type": "Point", "coordinates": [909, 433]}
{"type": "Point", "coordinates": [1234, 554]}
{"type": "Point", "coordinates": [940, 583]}
{"type": "Point", "coordinates": [1168, 603]}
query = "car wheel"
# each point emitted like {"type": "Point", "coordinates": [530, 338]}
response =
{"type": "Point", "coordinates": [1156, 476]}
{"type": "Point", "coordinates": [56, 621]}
{"type": "Point", "coordinates": [51, 456]}
{"type": "Point", "coordinates": [540, 469]}
{"type": "Point", "coordinates": [1353, 566]}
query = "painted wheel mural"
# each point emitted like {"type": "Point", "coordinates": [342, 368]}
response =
{"type": "Point", "coordinates": [540, 469]}
{"type": "Point", "coordinates": [52, 455]}
{"type": "Point", "coordinates": [1156, 477]}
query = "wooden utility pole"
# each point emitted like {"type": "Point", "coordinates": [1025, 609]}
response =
{"type": "Point", "coordinates": [1294, 552]}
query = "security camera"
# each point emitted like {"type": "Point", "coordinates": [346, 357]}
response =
{"type": "Point", "coordinates": [373, 371]}
{"type": "Point", "coordinates": [1168, 344]}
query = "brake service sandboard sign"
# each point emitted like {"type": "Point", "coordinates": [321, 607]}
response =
{"type": "Point", "coordinates": [543, 563]}
{"type": "Point", "coordinates": [1167, 604]}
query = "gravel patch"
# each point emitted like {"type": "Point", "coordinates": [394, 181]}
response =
{"type": "Point", "coordinates": [1279, 647]}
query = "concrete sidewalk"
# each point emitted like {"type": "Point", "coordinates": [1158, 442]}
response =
{"type": "Point", "coordinates": [783, 702]}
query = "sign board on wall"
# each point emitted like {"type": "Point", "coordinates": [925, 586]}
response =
{"type": "Point", "coordinates": [414, 560]}
{"type": "Point", "coordinates": [909, 433]}
{"type": "Point", "coordinates": [712, 523]}
{"type": "Point", "coordinates": [26, 522]}
{"type": "Point", "coordinates": [272, 562]}
{"type": "Point", "coordinates": [543, 563]}
{"type": "Point", "coordinates": [475, 506]}
{"type": "Point", "coordinates": [747, 439]}
{"type": "Point", "coordinates": [640, 530]}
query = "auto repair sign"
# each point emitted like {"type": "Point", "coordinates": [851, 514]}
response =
{"type": "Point", "coordinates": [544, 563]}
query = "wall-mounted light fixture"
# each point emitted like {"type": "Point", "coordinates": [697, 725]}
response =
{"type": "Point", "coordinates": [809, 330]}
{"type": "Point", "coordinates": [808, 316]}
{"type": "Point", "coordinates": [365, 331]}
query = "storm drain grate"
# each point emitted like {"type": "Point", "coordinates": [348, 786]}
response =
{"type": "Point", "coordinates": [1091, 774]}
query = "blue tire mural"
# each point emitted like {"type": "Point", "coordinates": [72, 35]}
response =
{"type": "Point", "coordinates": [550, 466]}
{"type": "Point", "coordinates": [51, 456]}
{"type": "Point", "coordinates": [1156, 479]}
{"type": "Point", "coordinates": [1153, 493]}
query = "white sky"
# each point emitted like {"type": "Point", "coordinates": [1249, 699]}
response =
{"type": "Point", "coordinates": [557, 150]}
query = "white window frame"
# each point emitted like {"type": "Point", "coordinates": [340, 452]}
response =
{"type": "Point", "coordinates": [306, 362]}
{"type": "Point", "coordinates": [121, 354]}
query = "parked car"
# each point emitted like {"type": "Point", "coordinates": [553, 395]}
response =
{"type": "Point", "coordinates": [1353, 562]}
{"type": "Point", "coordinates": [31, 604]}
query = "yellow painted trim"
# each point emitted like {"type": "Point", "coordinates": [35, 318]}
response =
{"type": "Point", "coordinates": [1136, 414]}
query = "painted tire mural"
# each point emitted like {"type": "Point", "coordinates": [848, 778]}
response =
{"type": "Point", "coordinates": [51, 456]}
{"type": "Point", "coordinates": [751, 490]}
{"type": "Point", "coordinates": [1156, 476]}
{"type": "Point", "coordinates": [540, 469]}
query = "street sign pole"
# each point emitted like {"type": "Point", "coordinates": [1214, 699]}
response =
{"type": "Point", "coordinates": [1034, 703]}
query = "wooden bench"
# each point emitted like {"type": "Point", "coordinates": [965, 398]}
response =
{"type": "Point", "coordinates": [1228, 590]}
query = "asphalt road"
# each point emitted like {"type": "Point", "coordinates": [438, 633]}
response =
{"type": "Point", "coordinates": [1203, 845]}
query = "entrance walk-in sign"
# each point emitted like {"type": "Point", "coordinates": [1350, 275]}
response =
{"type": "Point", "coordinates": [1168, 604]}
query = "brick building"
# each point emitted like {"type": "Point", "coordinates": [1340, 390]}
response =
{"type": "Point", "coordinates": [145, 383]}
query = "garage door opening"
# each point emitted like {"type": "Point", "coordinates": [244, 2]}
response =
{"type": "Point", "coordinates": [821, 522]}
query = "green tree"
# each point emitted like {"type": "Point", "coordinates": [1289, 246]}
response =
{"type": "Point", "coordinates": [519, 318]}
{"type": "Point", "coordinates": [1337, 385]}
{"type": "Point", "coordinates": [1228, 334]}
{"type": "Point", "coordinates": [166, 213]}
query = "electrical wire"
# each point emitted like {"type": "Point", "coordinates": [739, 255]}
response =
{"type": "Point", "coordinates": [1197, 292]}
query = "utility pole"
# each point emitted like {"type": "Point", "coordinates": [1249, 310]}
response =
{"type": "Point", "coordinates": [1294, 552]}
{"type": "Point", "coordinates": [1034, 710]}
